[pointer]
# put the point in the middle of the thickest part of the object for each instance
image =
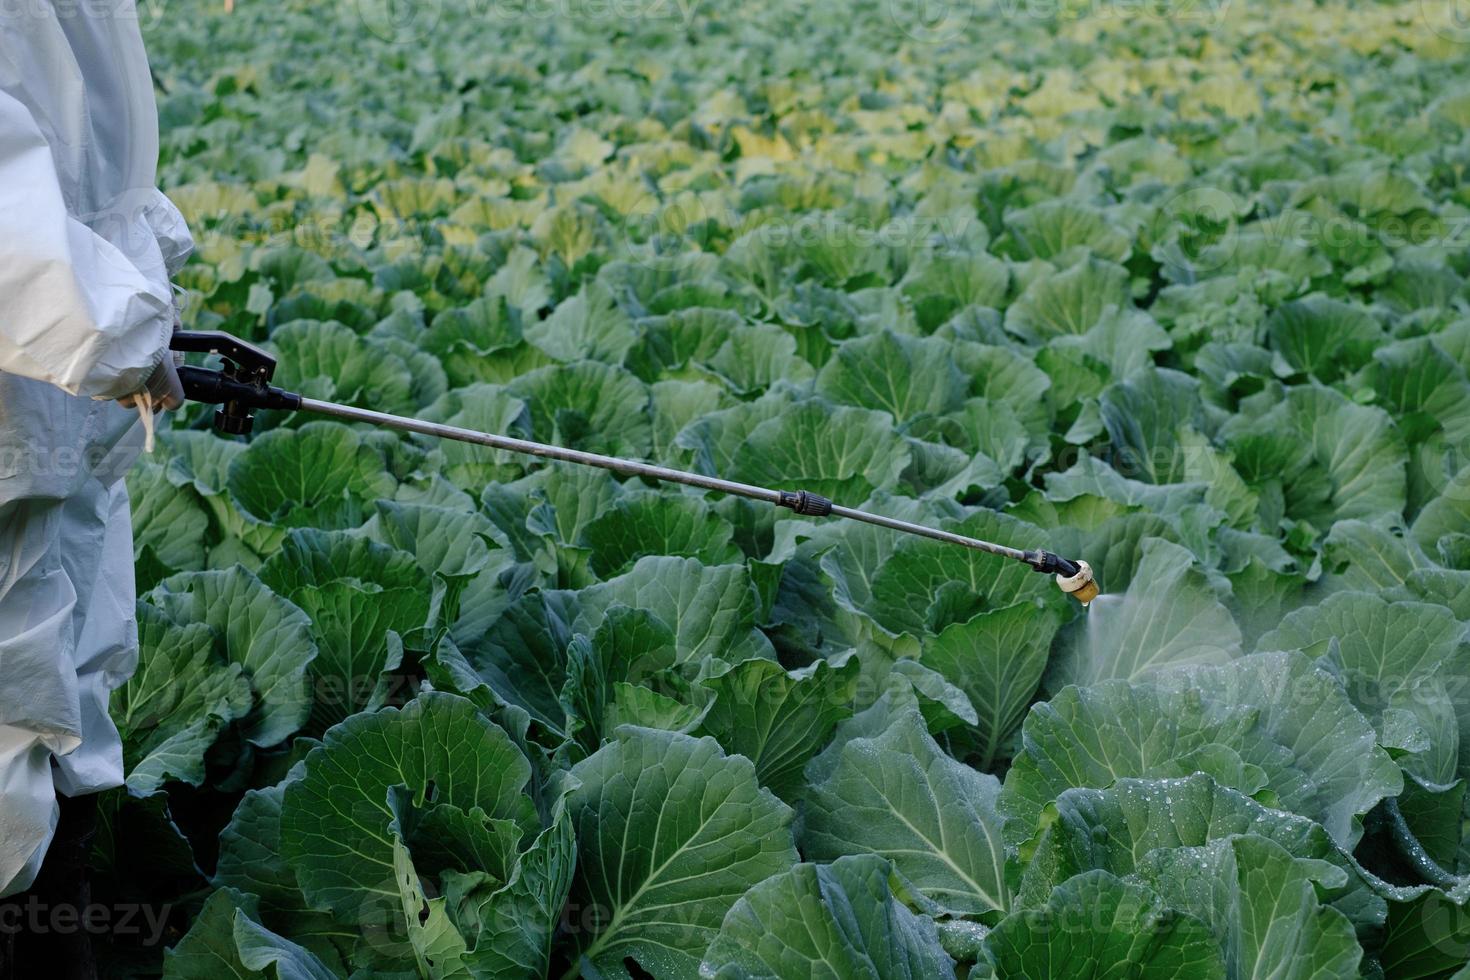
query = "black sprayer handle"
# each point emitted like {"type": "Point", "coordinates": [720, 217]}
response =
{"type": "Point", "coordinates": [248, 359]}
{"type": "Point", "coordinates": [239, 387]}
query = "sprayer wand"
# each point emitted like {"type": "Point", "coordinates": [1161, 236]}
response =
{"type": "Point", "coordinates": [242, 385]}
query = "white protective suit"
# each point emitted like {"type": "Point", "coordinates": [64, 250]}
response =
{"type": "Point", "coordinates": [87, 245]}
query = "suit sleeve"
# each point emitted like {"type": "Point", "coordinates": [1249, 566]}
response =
{"type": "Point", "coordinates": [83, 306]}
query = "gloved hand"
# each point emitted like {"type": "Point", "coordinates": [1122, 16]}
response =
{"type": "Point", "coordinates": [163, 388]}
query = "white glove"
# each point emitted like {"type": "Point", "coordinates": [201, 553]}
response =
{"type": "Point", "coordinates": [162, 389]}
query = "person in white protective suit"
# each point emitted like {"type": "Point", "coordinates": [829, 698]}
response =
{"type": "Point", "coordinates": [87, 248]}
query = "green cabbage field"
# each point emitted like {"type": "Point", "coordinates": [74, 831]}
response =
{"type": "Point", "coordinates": [1180, 287]}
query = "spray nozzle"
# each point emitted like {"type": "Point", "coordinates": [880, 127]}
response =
{"type": "Point", "coordinates": [1079, 586]}
{"type": "Point", "coordinates": [1073, 577]}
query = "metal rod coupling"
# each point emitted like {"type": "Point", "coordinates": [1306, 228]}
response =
{"type": "Point", "coordinates": [804, 502]}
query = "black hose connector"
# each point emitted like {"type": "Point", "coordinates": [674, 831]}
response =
{"type": "Point", "coordinates": [215, 388]}
{"type": "Point", "coordinates": [237, 398]}
{"type": "Point", "coordinates": [1049, 563]}
{"type": "Point", "coordinates": [805, 503]}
